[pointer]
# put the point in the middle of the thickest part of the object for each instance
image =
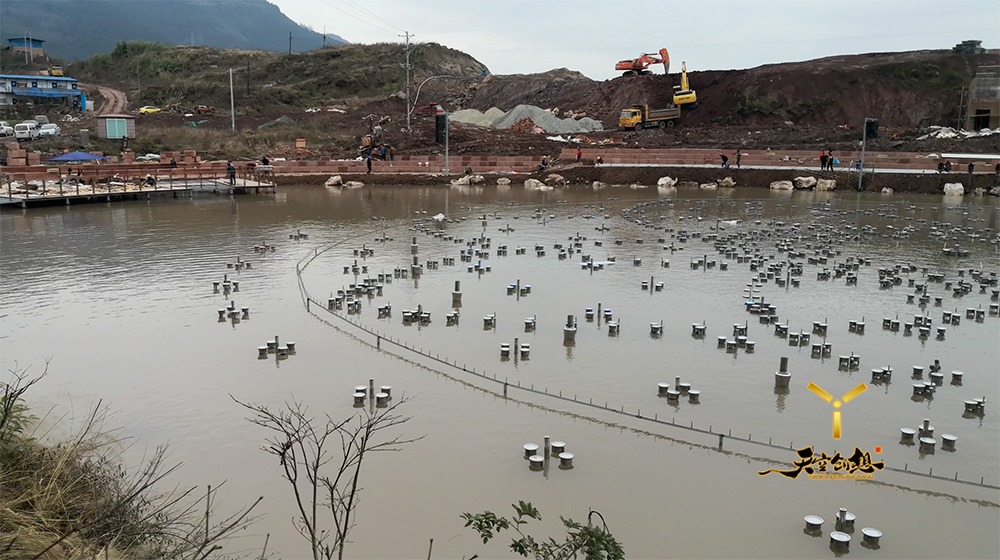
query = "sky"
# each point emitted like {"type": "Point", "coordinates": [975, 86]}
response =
{"type": "Point", "coordinates": [527, 36]}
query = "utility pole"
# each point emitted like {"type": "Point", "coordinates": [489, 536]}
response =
{"type": "Point", "coordinates": [30, 49]}
{"type": "Point", "coordinates": [232, 101]}
{"type": "Point", "coordinates": [289, 42]}
{"type": "Point", "coordinates": [864, 140]}
{"type": "Point", "coordinates": [407, 66]}
{"type": "Point", "coordinates": [27, 46]}
{"type": "Point", "coordinates": [248, 77]}
{"type": "Point", "coordinates": [324, 35]}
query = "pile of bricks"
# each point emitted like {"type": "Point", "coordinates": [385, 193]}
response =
{"type": "Point", "coordinates": [525, 125]}
{"type": "Point", "coordinates": [16, 155]}
{"type": "Point", "coordinates": [165, 157]}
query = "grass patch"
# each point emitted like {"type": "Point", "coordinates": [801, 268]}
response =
{"type": "Point", "coordinates": [753, 104]}
{"type": "Point", "coordinates": [74, 497]}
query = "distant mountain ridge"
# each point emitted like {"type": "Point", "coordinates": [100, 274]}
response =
{"type": "Point", "coordinates": [77, 29]}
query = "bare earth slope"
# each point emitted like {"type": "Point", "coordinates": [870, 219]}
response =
{"type": "Point", "coordinates": [907, 89]}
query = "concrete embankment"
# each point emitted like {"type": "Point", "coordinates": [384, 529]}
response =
{"type": "Point", "coordinates": [686, 177]}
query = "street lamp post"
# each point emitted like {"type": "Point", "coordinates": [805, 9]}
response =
{"type": "Point", "coordinates": [446, 167]}
{"type": "Point", "coordinates": [409, 110]}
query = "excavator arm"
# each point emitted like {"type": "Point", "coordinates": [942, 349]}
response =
{"type": "Point", "coordinates": [641, 65]}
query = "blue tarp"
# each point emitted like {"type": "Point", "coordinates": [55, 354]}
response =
{"type": "Point", "coordinates": [77, 156]}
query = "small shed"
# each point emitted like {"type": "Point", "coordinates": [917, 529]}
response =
{"type": "Point", "coordinates": [116, 127]}
{"type": "Point", "coordinates": [34, 47]}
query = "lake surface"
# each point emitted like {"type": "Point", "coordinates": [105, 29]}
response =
{"type": "Point", "coordinates": [120, 297]}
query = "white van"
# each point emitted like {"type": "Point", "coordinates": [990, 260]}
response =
{"type": "Point", "coordinates": [26, 131]}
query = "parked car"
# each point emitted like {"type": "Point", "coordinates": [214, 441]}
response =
{"type": "Point", "coordinates": [50, 129]}
{"type": "Point", "coordinates": [26, 131]}
{"type": "Point", "coordinates": [6, 130]}
{"type": "Point", "coordinates": [148, 110]}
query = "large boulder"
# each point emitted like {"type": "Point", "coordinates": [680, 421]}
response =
{"type": "Point", "coordinates": [954, 189]}
{"type": "Point", "coordinates": [503, 181]}
{"type": "Point", "coordinates": [598, 185]}
{"type": "Point", "coordinates": [354, 184]}
{"type": "Point", "coordinates": [726, 182]}
{"type": "Point", "coordinates": [666, 182]}
{"type": "Point", "coordinates": [782, 186]}
{"type": "Point", "coordinates": [979, 191]}
{"type": "Point", "coordinates": [635, 186]}
{"type": "Point", "coordinates": [826, 184]}
{"type": "Point", "coordinates": [555, 179]}
{"type": "Point", "coordinates": [476, 179]}
{"type": "Point", "coordinates": [533, 184]}
{"type": "Point", "coordinates": [886, 190]}
{"type": "Point", "coordinates": [462, 181]}
{"type": "Point", "coordinates": [708, 186]}
{"type": "Point", "coordinates": [804, 183]}
{"type": "Point", "coordinates": [995, 191]}
{"type": "Point", "coordinates": [335, 181]}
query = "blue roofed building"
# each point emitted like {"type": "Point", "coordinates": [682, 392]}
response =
{"type": "Point", "coordinates": [34, 47]}
{"type": "Point", "coordinates": [49, 91]}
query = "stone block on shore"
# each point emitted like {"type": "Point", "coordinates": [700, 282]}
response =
{"type": "Point", "coordinates": [826, 184]}
{"type": "Point", "coordinates": [804, 183]}
{"type": "Point", "coordinates": [954, 189]}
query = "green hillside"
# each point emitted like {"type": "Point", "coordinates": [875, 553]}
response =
{"type": "Point", "coordinates": [77, 29]}
{"type": "Point", "coordinates": [266, 82]}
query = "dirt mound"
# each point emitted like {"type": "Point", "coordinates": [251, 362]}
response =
{"type": "Point", "coordinates": [905, 90]}
{"type": "Point", "coordinates": [546, 121]}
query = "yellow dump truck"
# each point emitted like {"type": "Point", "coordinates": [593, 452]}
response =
{"type": "Point", "coordinates": [639, 117]}
{"type": "Point", "coordinates": [55, 70]}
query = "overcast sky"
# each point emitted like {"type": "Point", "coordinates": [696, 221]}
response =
{"type": "Point", "coordinates": [525, 36]}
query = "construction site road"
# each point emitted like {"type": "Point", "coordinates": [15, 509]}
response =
{"type": "Point", "coordinates": [115, 101]}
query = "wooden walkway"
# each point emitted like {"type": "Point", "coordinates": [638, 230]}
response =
{"type": "Point", "coordinates": [78, 194]}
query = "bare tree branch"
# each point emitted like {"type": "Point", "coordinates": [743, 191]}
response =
{"type": "Point", "coordinates": [318, 477]}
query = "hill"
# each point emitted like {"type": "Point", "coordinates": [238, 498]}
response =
{"type": "Point", "coordinates": [75, 30]}
{"type": "Point", "coordinates": [905, 90]}
{"type": "Point", "coordinates": [268, 82]}
{"type": "Point", "coordinates": [325, 96]}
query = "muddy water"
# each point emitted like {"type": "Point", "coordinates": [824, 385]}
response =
{"type": "Point", "coordinates": [120, 298]}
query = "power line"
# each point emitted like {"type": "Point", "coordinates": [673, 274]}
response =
{"type": "Point", "coordinates": [374, 15]}
{"type": "Point", "coordinates": [356, 17]}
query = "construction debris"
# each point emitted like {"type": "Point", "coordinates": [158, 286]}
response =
{"type": "Point", "coordinates": [948, 132]}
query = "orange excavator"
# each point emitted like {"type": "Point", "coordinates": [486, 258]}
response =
{"type": "Point", "coordinates": [641, 65]}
